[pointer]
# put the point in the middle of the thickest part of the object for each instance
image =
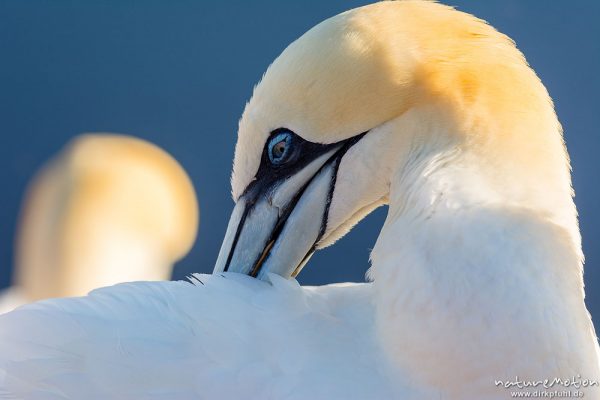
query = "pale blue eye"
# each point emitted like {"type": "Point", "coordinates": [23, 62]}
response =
{"type": "Point", "coordinates": [280, 147]}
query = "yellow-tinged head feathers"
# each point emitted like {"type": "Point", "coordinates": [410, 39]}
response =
{"type": "Point", "coordinates": [109, 208]}
{"type": "Point", "coordinates": [368, 66]}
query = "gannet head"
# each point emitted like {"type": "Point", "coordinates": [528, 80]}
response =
{"type": "Point", "coordinates": [107, 209]}
{"type": "Point", "coordinates": [368, 99]}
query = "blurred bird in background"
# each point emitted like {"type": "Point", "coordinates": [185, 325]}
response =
{"type": "Point", "coordinates": [477, 273]}
{"type": "Point", "coordinates": [109, 208]}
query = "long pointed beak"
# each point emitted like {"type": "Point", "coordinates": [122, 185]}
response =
{"type": "Point", "coordinates": [275, 229]}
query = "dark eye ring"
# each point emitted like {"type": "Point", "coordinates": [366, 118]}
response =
{"type": "Point", "coordinates": [280, 147]}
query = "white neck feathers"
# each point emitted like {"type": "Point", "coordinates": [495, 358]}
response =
{"type": "Point", "coordinates": [470, 289]}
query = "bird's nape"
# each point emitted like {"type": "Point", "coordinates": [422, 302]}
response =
{"type": "Point", "coordinates": [476, 274]}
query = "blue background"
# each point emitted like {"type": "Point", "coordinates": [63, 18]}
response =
{"type": "Point", "coordinates": [179, 74]}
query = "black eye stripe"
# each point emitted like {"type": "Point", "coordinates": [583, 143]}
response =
{"type": "Point", "coordinates": [269, 174]}
{"type": "Point", "coordinates": [305, 152]}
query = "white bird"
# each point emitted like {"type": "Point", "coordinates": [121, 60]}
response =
{"type": "Point", "coordinates": [107, 209]}
{"type": "Point", "coordinates": [477, 272]}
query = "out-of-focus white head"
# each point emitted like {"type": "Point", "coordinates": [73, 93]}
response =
{"type": "Point", "coordinates": [379, 96]}
{"type": "Point", "coordinates": [107, 209]}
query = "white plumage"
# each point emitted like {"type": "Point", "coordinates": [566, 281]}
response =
{"type": "Point", "coordinates": [477, 271]}
{"type": "Point", "coordinates": [230, 335]}
{"type": "Point", "coordinates": [107, 209]}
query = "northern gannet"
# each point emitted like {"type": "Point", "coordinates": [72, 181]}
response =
{"type": "Point", "coordinates": [477, 272]}
{"type": "Point", "coordinates": [107, 209]}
